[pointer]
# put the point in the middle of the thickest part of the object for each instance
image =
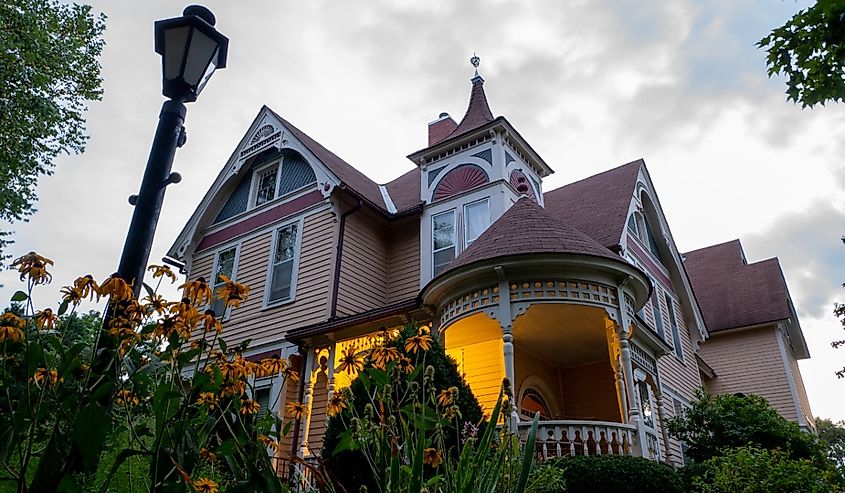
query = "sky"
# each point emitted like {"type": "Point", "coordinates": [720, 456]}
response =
{"type": "Point", "coordinates": [590, 84]}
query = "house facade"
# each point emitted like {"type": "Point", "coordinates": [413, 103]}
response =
{"type": "Point", "coordinates": [578, 295]}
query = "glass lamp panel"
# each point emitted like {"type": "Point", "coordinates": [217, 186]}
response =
{"type": "Point", "coordinates": [199, 56]}
{"type": "Point", "coordinates": [175, 40]}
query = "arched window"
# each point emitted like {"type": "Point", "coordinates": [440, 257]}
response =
{"type": "Point", "coordinates": [532, 403]}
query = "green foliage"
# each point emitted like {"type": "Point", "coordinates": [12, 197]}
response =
{"type": "Point", "coordinates": [809, 50]}
{"type": "Point", "coordinates": [401, 426]}
{"type": "Point", "coordinates": [751, 469]}
{"type": "Point", "coordinates": [615, 474]}
{"type": "Point", "coordinates": [48, 73]}
{"type": "Point", "coordinates": [178, 412]}
{"type": "Point", "coordinates": [547, 477]}
{"type": "Point", "coordinates": [713, 423]}
{"type": "Point", "coordinates": [832, 436]}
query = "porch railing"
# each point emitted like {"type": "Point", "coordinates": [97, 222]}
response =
{"type": "Point", "coordinates": [568, 438]}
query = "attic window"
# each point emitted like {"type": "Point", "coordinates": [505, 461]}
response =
{"type": "Point", "coordinates": [266, 185]}
{"type": "Point", "coordinates": [287, 176]}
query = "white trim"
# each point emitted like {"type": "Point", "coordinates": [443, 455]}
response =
{"type": "Point", "coordinates": [215, 264]}
{"type": "Point", "coordinates": [385, 195]}
{"type": "Point", "coordinates": [267, 303]}
{"type": "Point", "coordinates": [790, 378]}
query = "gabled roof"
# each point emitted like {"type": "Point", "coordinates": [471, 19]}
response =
{"type": "Point", "coordinates": [526, 228]}
{"type": "Point", "coordinates": [478, 111]}
{"type": "Point", "coordinates": [598, 205]}
{"type": "Point", "coordinates": [733, 293]}
{"type": "Point", "coordinates": [404, 191]}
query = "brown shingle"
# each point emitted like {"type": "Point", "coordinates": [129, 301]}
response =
{"type": "Point", "coordinates": [478, 111]}
{"type": "Point", "coordinates": [526, 228]}
{"type": "Point", "coordinates": [405, 191]}
{"type": "Point", "coordinates": [733, 293]}
{"type": "Point", "coordinates": [598, 205]}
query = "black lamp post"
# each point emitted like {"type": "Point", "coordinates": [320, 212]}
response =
{"type": "Point", "coordinates": [191, 50]}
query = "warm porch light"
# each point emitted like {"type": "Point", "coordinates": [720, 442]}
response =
{"type": "Point", "coordinates": [191, 50]}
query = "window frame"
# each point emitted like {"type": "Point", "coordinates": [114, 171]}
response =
{"type": "Point", "coordinates": [253, 192]}
{"type": "Point", "coordinates": [656, 311]}
{"type": "Point", "coordinates": [677, 343]}
{"type": "Point", "coordinates": [214, 266]}
{"type": "Point", "coordinates": [294, 275]}
{"type": "Point", "coordinates": [466, 242]}
{"type": "Point", "coordinates": [455, 238]}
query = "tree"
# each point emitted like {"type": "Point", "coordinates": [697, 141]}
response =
{"type": "Point", "coordinates": [48, 73]}
{"type": "Point", "coordinates": [809, 50]}
{"type": "Point", "coordinates": [832, 434]}
{"type": "Point", "coordinates": [715, 423]}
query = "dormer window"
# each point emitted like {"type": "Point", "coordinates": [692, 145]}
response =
{"type": "Point", "coordinates": [443, 236]}
{"type": "Point", "coordinates": [286, 176]}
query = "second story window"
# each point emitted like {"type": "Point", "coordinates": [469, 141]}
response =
{"type": "Point", "coordinates": [655, 308]}
{"type": "Point", "coordinates": [283, 259]}
{"type": "Point", "coordinates": [443, 236]}
{"type": "Point", "coordinates": [676, 333]}
{"type": "Point", "coordinates": [266, 185]}
{"type": "Point", "coordinates": [476, 220]}
{"type": "Point", "coordinates": [224, 265]}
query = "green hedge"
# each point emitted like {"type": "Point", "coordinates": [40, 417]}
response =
{"type": "Point", "coordinates": [609, 474]}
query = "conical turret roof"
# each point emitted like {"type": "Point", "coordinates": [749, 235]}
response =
{"type": "Point", "coordinates": [478, 112]}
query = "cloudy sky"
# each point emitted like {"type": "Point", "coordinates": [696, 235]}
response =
{"type": "Point", "coordinates": [591, 85]}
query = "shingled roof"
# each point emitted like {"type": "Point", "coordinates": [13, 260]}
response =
{"type": "Point", "coordinates": [733, 293]}
{"type": "Point", "coordinates": [526, 228]}
{"type": "Point", "coordinates": [598, 205]}
{"type": "Point", "coordinates": [478, 111]}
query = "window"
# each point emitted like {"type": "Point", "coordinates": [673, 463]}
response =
{"type": "Point", "coordinates": [655, 309]}
{"type": "Point", "coordinates": [476, 220]}
{"type": "Point", "coordinates": [266, 185]}
{"type": "Point", "coordinates": [632, 225]}
{"type": "Point", "coordinates": [645, 404]}
{"type": "Point", "coordinates": [650, 240]}
{"type": "Point", "coordinates": [262, 397]}
{"type": "Point", "coordinates": [282, 264]}
{"type": "Point", "coordinates": [443, 236]}
{"type": "Point", "coordinates": [676, 334]}
{"type": "Point", "coordinates": [224, 265]}
{"type": "Point", "coordinates": [532, 403]}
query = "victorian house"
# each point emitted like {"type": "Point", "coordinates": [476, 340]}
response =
{"type": "Point", "coordinates": [578, 295]}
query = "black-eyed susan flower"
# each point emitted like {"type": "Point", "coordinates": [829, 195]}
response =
{"type": "Point", "coordinates": [10, 319]}
{"type": "Point", "coordinates": [351, 361]}
{"type": "Point", "coordinates": [34, 267]}
{"type": "Point", "coordinates": [432, 457]}
{"type": "Point", "coordinates": [231, 292]}
{"type": "Point", "coordinates": [268, 442]}
{"type": "Point", "coordinates": [126, 398]}
{"type": "Point", "coordinates": [274, 365]}
{"type": "Point", "coordinates": [197, 291]}
{"type": "Point", "coordinates": [444, 398]}
{"type": "Point", "coordinates": [249, 406]}
{"type": "Point", "coordinates": [155, 303]}
{"type": "Point", "coordinates": [9, 333]}
{"type": "Point", "coordinates": [207, 455]}
{"type": "Point", "coordinates": [382, 355]}
{"type": "Point", "coordinates": [87, 287]}
{"type": "Point", "coordinates": [45, 319]}
{"type": "Point", "coordinates": [204, 485]}
{"type": "Point", "coordinates": [296, 410]}
{"type": "Point", "coordinates": [43, 375]}
{"type": "Point", "coordinates": [418, 342]}
{"type": "Point", "coordinates": [209, 323]}
{"type": "Point", "coordinates": [162, 271]}
{"type": "Point", "coordinates": [291, 374]}
{"type": "Point", "coordinates": [116, 288]}
{"type": "Point", "coordinates": [336, 404]}
{"type": "Point", "coordinates": [208, 399]}
{"type": "Point", "coordinates": [405, 365]}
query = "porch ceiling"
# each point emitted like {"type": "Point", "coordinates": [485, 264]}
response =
{"type": "Point", "coordinates": [563, 334]}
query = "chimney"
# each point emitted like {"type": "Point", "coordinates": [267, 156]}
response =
{"type": "Point", "coordinates": [439, 129]}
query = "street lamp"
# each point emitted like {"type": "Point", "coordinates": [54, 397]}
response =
{"type": "Point", "coordinates": [191, 50]}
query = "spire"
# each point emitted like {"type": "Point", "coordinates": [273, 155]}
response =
{"type": "Point", "coordinates": [478, 112]}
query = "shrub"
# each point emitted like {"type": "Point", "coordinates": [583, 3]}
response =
{"type": "Point", "coordinates": [753, 469]}
{"type": "Point", "coordinates": [616, 474]}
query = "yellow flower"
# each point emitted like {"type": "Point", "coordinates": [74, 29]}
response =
{"type": "Point", "coordinates": [296, 410]}
{"type": "Point", "coordinates": [432, 456]}
{"type": "Point", "coordinates": [274, 365]}
{"type": "Point", "coordinates": [87, 287]}
{"type": "Point", "coordinates": [405, 365]}
{"type": "Point", "coordinates": [207, 399]}
{"type": "Point", "coordinates": [116, 288]}
{"type": "Point", "coordinates": [208, 455]}
{"type": "Point", "coordinates": [291, 374]}
{"type": "Point", "coordinates": [162, 271]}
{"type": "Point", "coordinates": [231, 292]}
{"type": "Point", "coordinates": [382, 355]}
{"type": "Point", "coordinates": [336, 405]}
{"type": "Point", "coordinates": [197, 291]}
{"type": "Point", "coordinates": [350, 361]}
{"type": "Point", "coordinates": [10, 319]}
{"type": "Point", "coordinates": [204, 485]}
{"type": "Point", "coordinates": [71, 295]}
{"type": "Point", "coordinates": [269, 442]}
{"type": "Point", "coordinates": [417, 342]}
{"type": "Point", "coordinates": [444, 398]}
{"type": "Point", "coordinates": [33, 266]}
{"type": "Point", "coordinates": [249, 406]}
{"type": "Point", "coordinates": [155, 303]}
{"type": "Point", "coordinates": [125, 397]}
{"type": "Point", "coordinates": [43, 375]}
{"type": "Point", "coordinates": [13, 334]}
{"type": "Point", "coordinates": [237, 387]}
{"type": "Point", "coordinates": [209, 322]}
{"type": "Point", "coordinates": [169, 325]}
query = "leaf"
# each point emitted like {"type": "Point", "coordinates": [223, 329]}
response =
{"type": "Point", "coordinates": [19, 296]}
{"type": "Point", "coordinates": [89, 433]}
{"type": "Point", "coordinates": [122, 456]}
{"type": "Point", "coordinates": [63, 308]}
{"type": "Point", "coordinates": [528, 455]}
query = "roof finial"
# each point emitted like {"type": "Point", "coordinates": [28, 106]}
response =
{"type": "Point", "coordinates": [475, 61]}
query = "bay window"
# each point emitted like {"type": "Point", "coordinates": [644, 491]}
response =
{"type": "Point", "coordinates": [476, 220]}
{"type": "Point", "coordinates": [443, 236]}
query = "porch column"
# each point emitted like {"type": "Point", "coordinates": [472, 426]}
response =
{"type": "Point", "coordinates": [621, 391]}
{"type": "Point", "coordinates": [330, 372]}
{"type": "Point", "coordinates": [661, 415]}
{"type": "Point", "coordinates": [307, 400]}
{"type": "Point", "coordinates": [510, 373]}
{"type": "Point", "coordinates": [633, 408]}
{"type": "Point", "coordinates": [504, 315]}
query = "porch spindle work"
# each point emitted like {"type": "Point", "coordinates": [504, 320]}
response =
{"type": "Point", "coordinates": [571, 438]}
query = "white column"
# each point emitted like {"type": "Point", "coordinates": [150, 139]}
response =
{"type": "Point", "coordinates": [621, 389]}
{"type": "Point", "coordinates": [661, 415]}
{"type": "Point", "coordinates": [510, 373]}
{"type": "Point", "coordinates": [633, 409]}
{"type": "Point", "coordinates": [307, 400]}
